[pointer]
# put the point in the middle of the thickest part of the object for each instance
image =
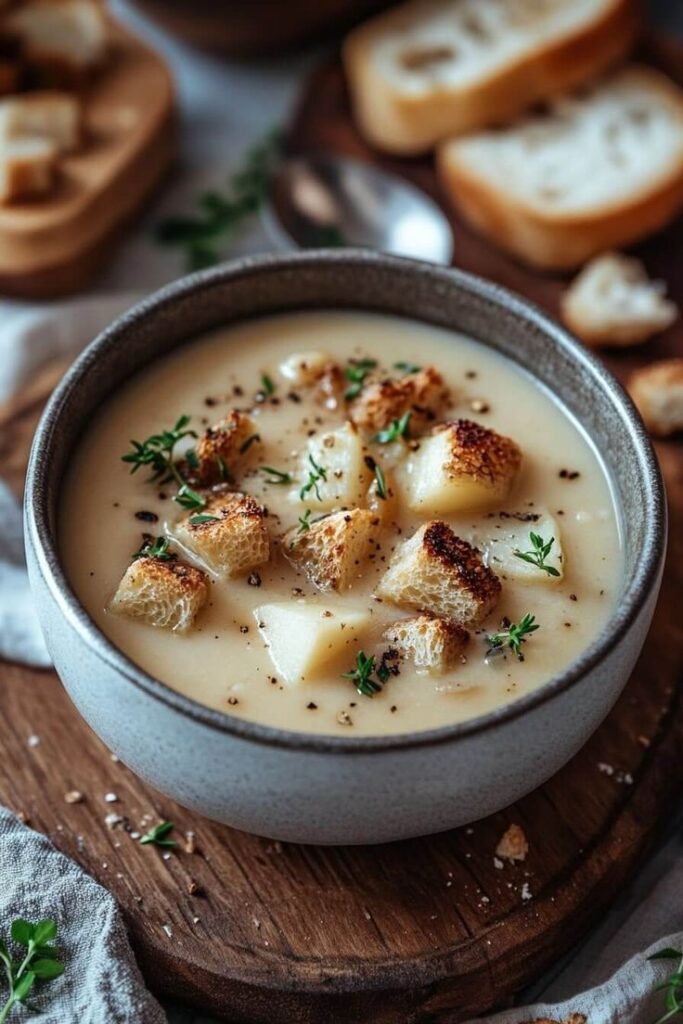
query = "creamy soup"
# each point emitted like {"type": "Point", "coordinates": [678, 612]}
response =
{"type": "Point", "coordinates": [316, 636]}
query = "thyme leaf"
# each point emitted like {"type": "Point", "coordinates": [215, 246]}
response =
{"type": "Point", "coordinates": [539, 554]}
{"type": "Point", "coordinates": [397, 429]}
{"type": "Point", "coordinates": [513, 637]}
{"type": "Point", "coordinates": [361, 675]}
{"type": "Point", "coordinates": [356, 374]}
{"type": "Point", "coordinates": [315, 476]}
{"type": "Point", "coordinates": [159, 835]}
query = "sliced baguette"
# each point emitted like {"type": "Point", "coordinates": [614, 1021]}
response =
{"type": "Point", "coordinates": [598, 171]}
{"type": "Point", "coordinates": [430, 69]}
{"type": "Point", "coordinates": [62, 40]}
{"type": "Point", "coordinates": [55, 116]}
{"type": "Point", "coordinates": [27, 168]}
{"type": "Point", "coordinates": [657, 390]}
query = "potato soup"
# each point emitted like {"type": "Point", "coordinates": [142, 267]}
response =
{"type": "Point", "coordinates": [341, 522]}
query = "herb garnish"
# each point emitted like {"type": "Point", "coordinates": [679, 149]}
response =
{"type": "Point", "coordinates": [361, 675]}
{"type": "Point", "coordinates": [40, 962]}
{"type": "Point", "coordinates": [246, 445]}
{"type": "Point", "coordinates": [220, 216]}
{"type": "Point", "coordinates": [304, 521]}
{"type": "Point", "coordinates": [538, 556]}
{"type": "Point", "coordinates": [398, 428]}
{"type": "Point", "coordinates": [381, 482]}
{"type": "Point", "coordinates": [223, 469]}
{"type": "Point", "coordinates": [513, 637]}
{"type": "Point", "coordinates": [157, 451]}
{"type": "Point", "coordinates": [189, 499]}
{"type": "Point", "coordinates": [277, 476]}
{"type": "Point", "coordinates": [315, 475]}
{"type": "Point", "coordinates": [407, 367]}
{"type": "Point", "coordinates": [158, 835]}
{"type": "Point", "coordinates": [673, 986]}
{"type": "Point", "coordinates": [201, 519]}
{"type": "Point", "coordinates": [191, 458]}
{"type": "Point", "coordinates": [267, 385]}
{"type": "Point", "coordinates": [356, 373]}
{"type": "Point", "coordinates": [154, 547]}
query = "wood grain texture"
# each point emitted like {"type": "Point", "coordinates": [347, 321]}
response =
{"type": "Point", "coordinates": [429, 931]}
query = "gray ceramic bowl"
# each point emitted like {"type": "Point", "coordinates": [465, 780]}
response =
{"type": "Point", "coordinates": [305, 788]}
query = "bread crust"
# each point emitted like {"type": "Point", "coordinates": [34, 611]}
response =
{"type": "Point", "coordinates": [409, 126]}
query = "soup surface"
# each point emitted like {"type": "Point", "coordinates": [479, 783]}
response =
{"type": "Point", "coordinates": [228, 659]}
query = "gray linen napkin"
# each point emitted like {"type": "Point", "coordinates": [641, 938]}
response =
{"type": "Point", "coordinates": [20, 635]}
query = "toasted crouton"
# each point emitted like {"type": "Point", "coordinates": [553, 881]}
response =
{"type": "Point", "coordinates": [431, 643]}
{"type": "Point", "coordinates": [331, 551]}
{"type": "Point", "coordinates": [657, 390]}
{"type": "Point", "coordinates": [333, 471]}
{"type": "Point", "coordinates": [225, 448]}
{"type": "Point", "coordinates": [437, 572]}
{"type": "Point", "coordinates": [304, 640]}
{"type": "Point", "coordinates": [46, 115]}
{"type": "Point", "coordinates": [167, 594]}
{"type": "Point", "coordinates": [62, 41]}
{"type": "Point", "coordinates": [423, 394]}
{"type": "Point", "coordinates": [229, 535]}
{"type": "Point", "coordinates": [27, 168]}
{"type": "Point", "coordinates": [513, 844]}
{"type": "Point", "coordinates": [462, 465]}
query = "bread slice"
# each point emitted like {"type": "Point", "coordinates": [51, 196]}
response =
{"type": "Point", "coordinates": [433, 69]}
{"type": "Point", "coordinates": [332, 550]}
{"type": "Point", "coordinates": [433, 644]}
{"type": "Point", "coordinates": [657, 390]}
{"type": "Point", "coordinates": [229, 534]}
{"type": "Point", "coordinates": [423, 394]}
{"type": "Point", "coordinates": [27, 168]}
{"type": "Point", "coordinates": [167, 594]}
{"type": "Point", "coordinates": [598, 171]}
{"type": "Point", "coordinates": [613, 302]}
{"type": "Point", "coordinates": [55, 116]}
{"type": "Point", "coordinates": [437, 572]}
{"type": "Point", "coordinates": [62, 40]}
{"type": "Point", "coordinates": [224, 449]}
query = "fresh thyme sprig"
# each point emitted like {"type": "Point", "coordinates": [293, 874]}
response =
{"type": "Point", "coordinates": [381, 482]}
{"type": "Point", "coordinates": [220, 216]}
{"type": "Point", "coordinates": [201, 519]}
{"type": "Point", "coordinates": [189, 499]}
{"type": "Point", "coordinates": [315, 476]}
{"type": "Point", "coordinates": [267, 384]}
{"type": "Point", "coordinates": [305, 521]}
{"type": "Point", "coordinates": [513, 637]}
{"type": "Point", "coordinates": [398, 428]}
{"type": "Point", "coordinates": [156, 451]}
{"type": "Point", "coordinates": [673, 986]}
{"type": "Point", "coordinates": [407, 367]}
{"type": "Point", "coordinates": [539, 554]}
{"type": "Point", "coordinates": [361, 675]}
{"type": "Point", "coordinates": [276, 475]}
{"type": "Point", "coordinates": [356, 373]}
{"type": "Point", "coordinates": [246, 445]}
{"type": "Point", "coordinates": [39, 963]}
{"type": "Point", "coordinates": [159, 835]}
{"type": "Point", "coordinates": [155, 547]}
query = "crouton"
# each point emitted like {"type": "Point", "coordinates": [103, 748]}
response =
{"type": "Point", "coordinates": [62, 41]}
{"type": "Point", "coordinates": [461, 466]}
{"type": "Point", "coordinates": [437, 572]}
{"type": "Point", "coordinates": [513, 844]}
{"type": "Point", "coordinates": [423, 394]}
{"type": "Point", "coordinates": [229, 534]}
{"type": "Point", "coordinates": [46, 115]}
{"type": "Point", "coordinates": [165, 593]}
{"type": "Point", "coordinates": [507, 533]}
{"type": "Point", "coordinates": [332, 550]}
{"type": "Point", "coordinates": [225, 448]}
{"type": "Point", "coordinates": [306, 640]}
{"type": "Point", "coordinates": [333, 471]}
{"type": "Point", "coordinates": [657, 391]}
{"type": "Point", "coordinates": [27, 168]}
{"type": "Point", "coordinates": [431, 643]}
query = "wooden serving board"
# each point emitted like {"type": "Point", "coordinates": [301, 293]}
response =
{"type": "Point", "coordinates": [54, 245]}
{"type": "Point", "coordinates": [429, 930]}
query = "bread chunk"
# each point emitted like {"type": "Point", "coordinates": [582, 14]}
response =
{"type": "Point", "coordinates": [27, 169]}
{"type": "Point", "coordinates": [431, 643]}
{"type": "Point", "coordinates": [332, 550]}
{"type": "Point", "coordinates": [513, 845]}
{"type": "Point", "coordinates": [305, 640]}
{"type": "Point", "coordinates": [225, 448]}
{"type": "Point", "coordinates": [430, 69]}
{"type": "Point", "coordinates": [596, 172]}
{"type": "Point", "coordinates": [167, 594]}
{"type": "Point", "coordinates": [657, 391]}
{"type": "Point", "coordinates": [64, 40]}
{"type": "Point", "coordinates": [423, 394]}
{"type": "Point", "coordinates": [333, 472]}
{"type": "Point", "coordinates": [462, 465]}
{"type": "Point", "coordinates": [437, 572]}
{"type": "Point", "coordinates": [508, 532]}
{"type": "Point", "coordinates": [53, 116]}
{"type": "Point", "coordinates": [233, 540]}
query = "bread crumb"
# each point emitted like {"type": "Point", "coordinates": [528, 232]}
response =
{"type": "Point", "coordinates": [513, 845]}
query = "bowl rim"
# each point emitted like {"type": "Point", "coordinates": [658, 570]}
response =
{"type": "Point", "coordinates": [38, 532]}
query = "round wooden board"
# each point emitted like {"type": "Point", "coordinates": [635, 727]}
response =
{"type": "Point", "coordinates": [427, 930]}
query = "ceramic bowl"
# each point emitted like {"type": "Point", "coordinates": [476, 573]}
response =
{"type": "Point", "coordinates": [306, 788]}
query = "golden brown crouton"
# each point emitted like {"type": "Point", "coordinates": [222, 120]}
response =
{"type": "Point", "coordinates": [331, 551]}
{"type": "Point", "coordinates": [437, 572]}
{"type": "Point", "coordinates": [50, 115]}
{"type": "Point", "coordinates": [657, 390]}
{"type": "Point", "coordinates": [165, 593]}
{"type": "Point", "coordinates": [423, 394]}
{"type": "Point", "coordinates": [229, 535]}
{"type": "Point", "coordinates": [430, 642]}
{"type": "Point", "coordinates": [513, 844]}
{"type": "Point", "coordinates": [27, 168]}
{"type": "Point", "coordinates": [225, 448]}
{"type": "Point", "coordinates": [462, 465]}
{"type": "Point", "coordinates": [62, 41]}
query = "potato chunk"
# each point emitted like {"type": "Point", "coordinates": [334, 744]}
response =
{"type": "Point", "coordinates": [167, 594]}
{"type": "Point", "coordinates": [305, 640]}
{"type": "Point", "coordinates": [437, 572]}
{"type": "Point", "coordinates": [433, 644]}
{"type": "Point", "coordinates": [333, 470]}
{"type": "Point", "coordinates": [461, 466]}
{"type": "Point", "coordinates": [510, 532]}
{"type": "Point", "coordinates": [423, 394]}
{"type": "Point", "coordinates": [233, 540]}
{"type": "Point", "coordinates": [225, 448]}
{"type": "Point", "coordinates": [304, 368]}
{"type": "Point", "coordinates": [332, 550]}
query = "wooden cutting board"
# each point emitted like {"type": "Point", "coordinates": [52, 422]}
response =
{"type": "Point", "coordinates": [431, 930]}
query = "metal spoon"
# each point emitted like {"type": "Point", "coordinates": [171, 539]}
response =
{"type": "Point", "coordinates": [324, 200]}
